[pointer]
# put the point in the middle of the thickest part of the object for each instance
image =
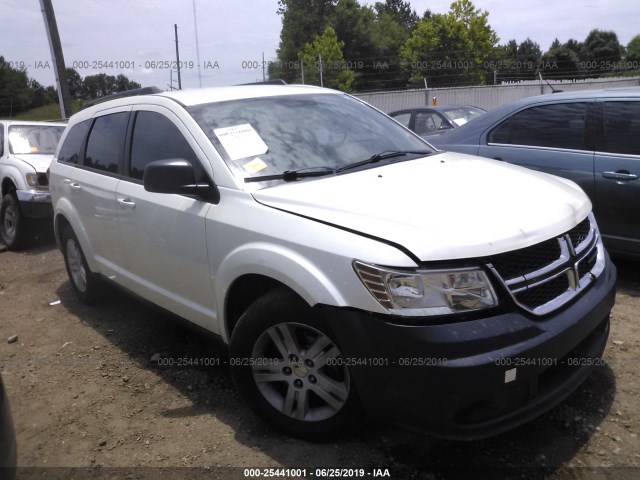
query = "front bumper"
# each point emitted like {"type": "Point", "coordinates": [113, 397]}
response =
{"type": "Point", "coordinates": [474, 379]}
{"type": "Point", "coordinates": [35, 203]}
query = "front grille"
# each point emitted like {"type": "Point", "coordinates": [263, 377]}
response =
{"type": "Point", "coordinates": [545, 276]}
{"type": "Point", "coordinates": [544, 293]}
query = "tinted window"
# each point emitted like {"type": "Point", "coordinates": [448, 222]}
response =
{"type": "Point", "coordinates": [1, 139]}
{"type": "Point", "coordinates": [622, 127]}
{"type": "Point", "coordinates": [403, 118]}
{"type": "Point", "coordinates": [556, 126]}
{"type": "Point", "coordinates": [155, 137]}
{"type": "Point", "coordinates": [106, 141]}
{"type": "Point", "coordinates": [70, 151]}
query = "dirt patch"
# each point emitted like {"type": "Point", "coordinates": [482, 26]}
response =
{"type": "Point", "coordinates": [85, 393]}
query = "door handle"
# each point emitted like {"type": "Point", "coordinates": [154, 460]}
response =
{"type": "Point", "coordinates": [620, 175]}
{"type": "Point", "coordinates": [127, 203]}
{"type": "Point", "coordinates": [74, 187]}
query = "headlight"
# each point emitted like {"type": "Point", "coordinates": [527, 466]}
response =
{"type": "Point", "coordinates": [32, 179]}
{"type": "Point", "coordinates": [427, 292]}
{"type": "Point", "coordinates": [38, 180]}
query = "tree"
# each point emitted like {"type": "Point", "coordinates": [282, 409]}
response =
{"type": "Point", "coordinates": [75, 83]}
{"type": "Point", "coordinates": [302, 20]}
{"type": "Point", "coordinates": [633, 50]}
{"type": "Point", "coordinates": [601, 52]}
{"type": "Point", "coordinates": [451, 49]}
{"type": "Point", "coordinates": [15, 91]}
{"type": "Point", "coordinates": [400, 11]}
{"type": "Point", "coordinates": [564, 62]}
{"type": "Point", "coordinates": [325, 54]}
{"type": "Point", "coordinates": [101, 85]}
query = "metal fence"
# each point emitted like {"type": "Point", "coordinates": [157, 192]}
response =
{"type": "Point", "coordinates": [487, 97]}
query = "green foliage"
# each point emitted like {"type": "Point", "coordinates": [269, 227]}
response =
{"type": "Point", "coordinates": [601, 46]}
{"type": "Point", "coordinates": [19, 93]}
{"type": "Point", "coordinates": [101, 85]}
{"type": "Point", "coordinates": [325, 54]}
{"type": "Point", "coordinates": [47, 112]}
{"type": "Point", "coordinates": [15, 94]}
{"type": "Point", "coordinates": [302, 20]}
{"type": "Point", "coordinates": [388, 45]}
{"type": "Point", "coordinates": [451, 49]}
{"type": "Point", "coordinates": [633, 50]}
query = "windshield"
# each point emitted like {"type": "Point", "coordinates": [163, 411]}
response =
{"type": "Point", "coordinates": [36, 139]}
{"type": "Point", "coordinates": [462, 115]}
{"type": "Point", "coordinates": [270, 135]}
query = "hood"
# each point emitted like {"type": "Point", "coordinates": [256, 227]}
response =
{"type": "Point", "coordinates": [38, 162]}
{"type": "Point", "coordinates": [443, 207]}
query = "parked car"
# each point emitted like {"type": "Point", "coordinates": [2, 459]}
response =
{"type": "Point", "coordinates": [436, 119]}
{"type": "Point", "coordinates": [590, 137]}
{"type": "Point", "coordinates": [26, 150]}
{"type": "Point", "coordinates": [7, 437]}
{"type": "Point", "coordinates": [350, 267]}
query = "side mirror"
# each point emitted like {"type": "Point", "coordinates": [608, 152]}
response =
{"type": "Point", "coordinates": [176, 176]}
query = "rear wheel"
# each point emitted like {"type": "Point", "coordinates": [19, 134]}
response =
{"type": "Point", "coordinates": [291, 371]}
{"type": "Point", "coordinates": [12, 222]}
{"type": "Point", "coordinates": [83, 281]}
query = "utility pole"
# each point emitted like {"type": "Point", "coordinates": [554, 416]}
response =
{"type": "Point", "coordinates": [64, 96]}
{"type": "Point", "coordinates": [263, 76]}
{"type": "Point", "coordinates": [195, 25]}
{"type": "Point", "coordinates": [302, 70]}
{"type": "Point", "coordinates": [320, 57]}
{"type": "Point", "coordinates": [175, 25]}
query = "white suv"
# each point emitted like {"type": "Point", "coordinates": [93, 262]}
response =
{"type": "Point", "coordinates": [350, 267]}
{"type": "Point", "coordinates": [26, 150]}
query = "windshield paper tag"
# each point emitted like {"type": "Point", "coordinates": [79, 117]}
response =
{"type": "Point", "coordinates": [255, 165]}
{"type": "Point", "coordinates": [241, 141]}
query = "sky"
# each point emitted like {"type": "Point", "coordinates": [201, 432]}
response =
{"type": "Point", "coordinates": [136, 37]}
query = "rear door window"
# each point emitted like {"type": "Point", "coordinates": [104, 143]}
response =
{"type": "Point", "coordinates": [622, 127]}
{"type": "Point", "coordinates": [559, 125]}
{"type": "Point", "coordinates": [106, 142]}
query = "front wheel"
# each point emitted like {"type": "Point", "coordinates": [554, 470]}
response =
{"type": "Point", "coordinates": [12, 222]}
{"type": "Point", "coordinates": [290, 370]}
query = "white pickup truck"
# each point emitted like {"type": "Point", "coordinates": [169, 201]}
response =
{"type": "Point", "coordinates": [26, 149]}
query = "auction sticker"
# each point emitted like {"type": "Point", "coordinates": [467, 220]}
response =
{"type": "Point", "coordinates": [241, 141]}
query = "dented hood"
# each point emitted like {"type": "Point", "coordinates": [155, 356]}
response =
{"type": "Point", "coordinates": [442, 207]}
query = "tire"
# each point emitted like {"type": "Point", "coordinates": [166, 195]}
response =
{"type": "Point", "coordinates": [13, 225]}
{"type": "Point", "coordinates": [84, 282]}
{"type": "Point", "coordinates": [278, 356]}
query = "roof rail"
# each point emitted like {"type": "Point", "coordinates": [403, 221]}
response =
{"type": "Point", "coordinates": [277, 81]}
{"type": "Point", "coordinates": [127, 93]}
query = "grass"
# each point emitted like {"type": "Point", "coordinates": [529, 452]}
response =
{"type": "Point", "coordinates": [46, 112]}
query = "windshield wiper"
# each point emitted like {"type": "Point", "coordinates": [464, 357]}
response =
{"type": "Point", "coordinates": [382, 156]}
{"type": "Point", "coordinates": [292, 175]}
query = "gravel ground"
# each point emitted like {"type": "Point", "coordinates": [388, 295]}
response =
{"type": "Point", "coordinates": [87, 392]}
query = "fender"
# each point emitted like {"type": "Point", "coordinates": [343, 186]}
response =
{"type": "Point", "coordinates": [64, 208]}
{"type": "Point", "coordinates": [13, 173]}
{"type": "Point", "coordinates": [279, 263]}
